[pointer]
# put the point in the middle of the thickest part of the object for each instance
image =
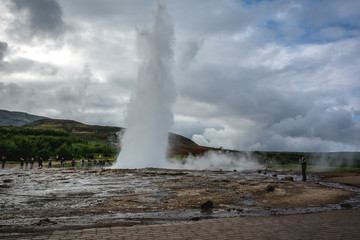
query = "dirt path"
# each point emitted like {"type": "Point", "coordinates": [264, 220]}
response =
{"type": "Point", "coordinates": [327, 225]}
{"type": "Point", "coordinates": [348, 178]}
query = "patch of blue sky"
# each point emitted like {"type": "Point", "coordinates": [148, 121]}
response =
{"type": "Point", "coordinates": [252, 2]}
{"type": "Point", "coordinates": [310, 34]}
{"type": "Point", "coordinates": [270, 24]}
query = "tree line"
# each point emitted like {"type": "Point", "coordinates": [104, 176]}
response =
{"type": "Point", "coordinates": [16, 142]}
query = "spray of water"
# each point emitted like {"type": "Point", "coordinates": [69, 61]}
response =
{"type": "Point", "coordinates": [149, 115]}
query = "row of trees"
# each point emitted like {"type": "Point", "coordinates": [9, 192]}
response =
{"type": "Point", "coordinates": [25, 142]}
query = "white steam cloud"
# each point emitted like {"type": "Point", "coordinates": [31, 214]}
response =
{"type": "Point", "coordinates": [215, 161]}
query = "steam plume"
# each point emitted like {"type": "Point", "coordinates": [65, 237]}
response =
{"type": "Point", "coordinates": [149, 112]}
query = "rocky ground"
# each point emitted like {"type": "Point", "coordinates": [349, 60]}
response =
{"type": "Point", "coordinates": [48, 199]}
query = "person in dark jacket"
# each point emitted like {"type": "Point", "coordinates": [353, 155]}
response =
{"type": "Point", "coordinates": [50, 162]}
{"type": "Point", "coordinates": [40, 162]}
{"type": "Point", "coordinates": [3, 161]}
{"type": "Point", "coordinates": [31, 163]}
{"type": "Point", "coordinates": [303, 168]}
{"type": "Point", "coordinates": [21, 163]}
{"type": "Point", "coordinates": [26, 163]}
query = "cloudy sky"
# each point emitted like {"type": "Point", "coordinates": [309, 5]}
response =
{"type": "Point", "coordinates": [250, 74]}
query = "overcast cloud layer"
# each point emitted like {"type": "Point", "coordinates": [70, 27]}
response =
{"type": "Point", "coordinates": [250, 75]}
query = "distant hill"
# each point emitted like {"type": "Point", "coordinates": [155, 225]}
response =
{"type": "Point", "coordinates": [83, 131]}
{"type": "Point", "coordinates": [8, 118]}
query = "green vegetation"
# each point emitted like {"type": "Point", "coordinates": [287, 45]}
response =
{"type": "Point", "coordinates": [316, 159]}
{"type": "Point", "coordinates": [91, 133]}
{"type": "Point", "coordinates": [314, 168]}
{"type": "Point", "coordinates": [16, 142]}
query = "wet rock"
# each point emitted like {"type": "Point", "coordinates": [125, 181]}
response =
{"type": "Point", "coordinates": [195, 219]}
{"type": "Point", "coordinates": [170, 174]}
{"type": "Point", "coordinates": [273, 212]}
{"type": "Point", "coordinates": [270, 188]}
{"type": "Point", "coordinates": [7, 180]}
{"type": "Point", "coordinates": [346, 206]}
{"type": "Point", "coordinates": [44, 221]}
{"type": "Point", "coordinates": [259, 171]}
{"type": "Point", "coordinates": [289, 178]}
{"type": "Point", "coordinates": [4, 186]}
{"type": "Point", "coordinates": [274, 175]}
{"type": "Point", "coordinates": [207, 206]}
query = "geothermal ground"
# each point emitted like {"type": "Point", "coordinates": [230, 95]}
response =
{"type": "Point", "coordinates": [48, 199]}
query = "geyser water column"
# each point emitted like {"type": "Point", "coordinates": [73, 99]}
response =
{"type": "Point", "coordinates": [149, 115]}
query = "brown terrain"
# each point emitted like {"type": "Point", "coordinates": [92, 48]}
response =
{"type": "Point", "coordinates": [53, 199]}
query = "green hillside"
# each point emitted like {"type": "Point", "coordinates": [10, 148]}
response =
{"type": "Point", "coordinates": [85, 132]}
{"type": "Point", "coordinates": [8, 118]}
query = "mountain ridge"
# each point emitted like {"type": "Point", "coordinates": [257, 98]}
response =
{"type": "Point", "coordinates": [15, 118]}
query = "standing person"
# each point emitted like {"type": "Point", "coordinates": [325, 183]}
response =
{"type": "Point", "coordinates": [89, 163]}
{"type": "Point", "coordinates": [21, 163]}
{"type": "Point", "coordinates": [303, 168]}
{"type": "Point", "coordinates": [82, 162]}
{"type": "Point", "coordinates": [26, 162]}
{"type": "Point", "coordinates": [50, 162]}
{"type": "Point", "coordinates": [100, 161]}
{"type": "Point", "coordinates": [95, 162]}
{"type": "Point", "coordinates": [40, 162]}
{"type": "Point", "coordinates": [31, 162]}
{"type": "Point", "coordinates": [73, 163]}
{"type": "Point", "coordinates": [3, 161]}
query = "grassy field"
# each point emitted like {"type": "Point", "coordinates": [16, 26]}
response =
{"type": "Point", "coordinates": [313, 168]}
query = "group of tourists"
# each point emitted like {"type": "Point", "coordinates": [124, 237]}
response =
{"type": "Point", "coordinates": [95, 163]}
{"type": "Point", "coordinates": [26, 163]}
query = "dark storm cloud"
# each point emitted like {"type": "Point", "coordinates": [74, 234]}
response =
{"type": "Point", "coordinates": [23, 65]}
{"type": "Point", "coordinates": [326, 124]}
{"type": "Point", "coordinates": [3, 49]}
{"type": "Point", "coordinates": [38, 18]}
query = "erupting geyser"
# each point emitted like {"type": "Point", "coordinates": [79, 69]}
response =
{"type": "Point", "coordinates": [149, 115]}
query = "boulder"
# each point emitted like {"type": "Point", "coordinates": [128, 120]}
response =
{"type": "Point", "coordinates": [44, 221]}
{"type": "Point", "coordinates": [270, 188]}
{"type": "Point", "coordinates": [208, 205]}
{"type": "Point", "coordinates": [345, 206]}
{"type": "Point", "coordinates": [289, 178]}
